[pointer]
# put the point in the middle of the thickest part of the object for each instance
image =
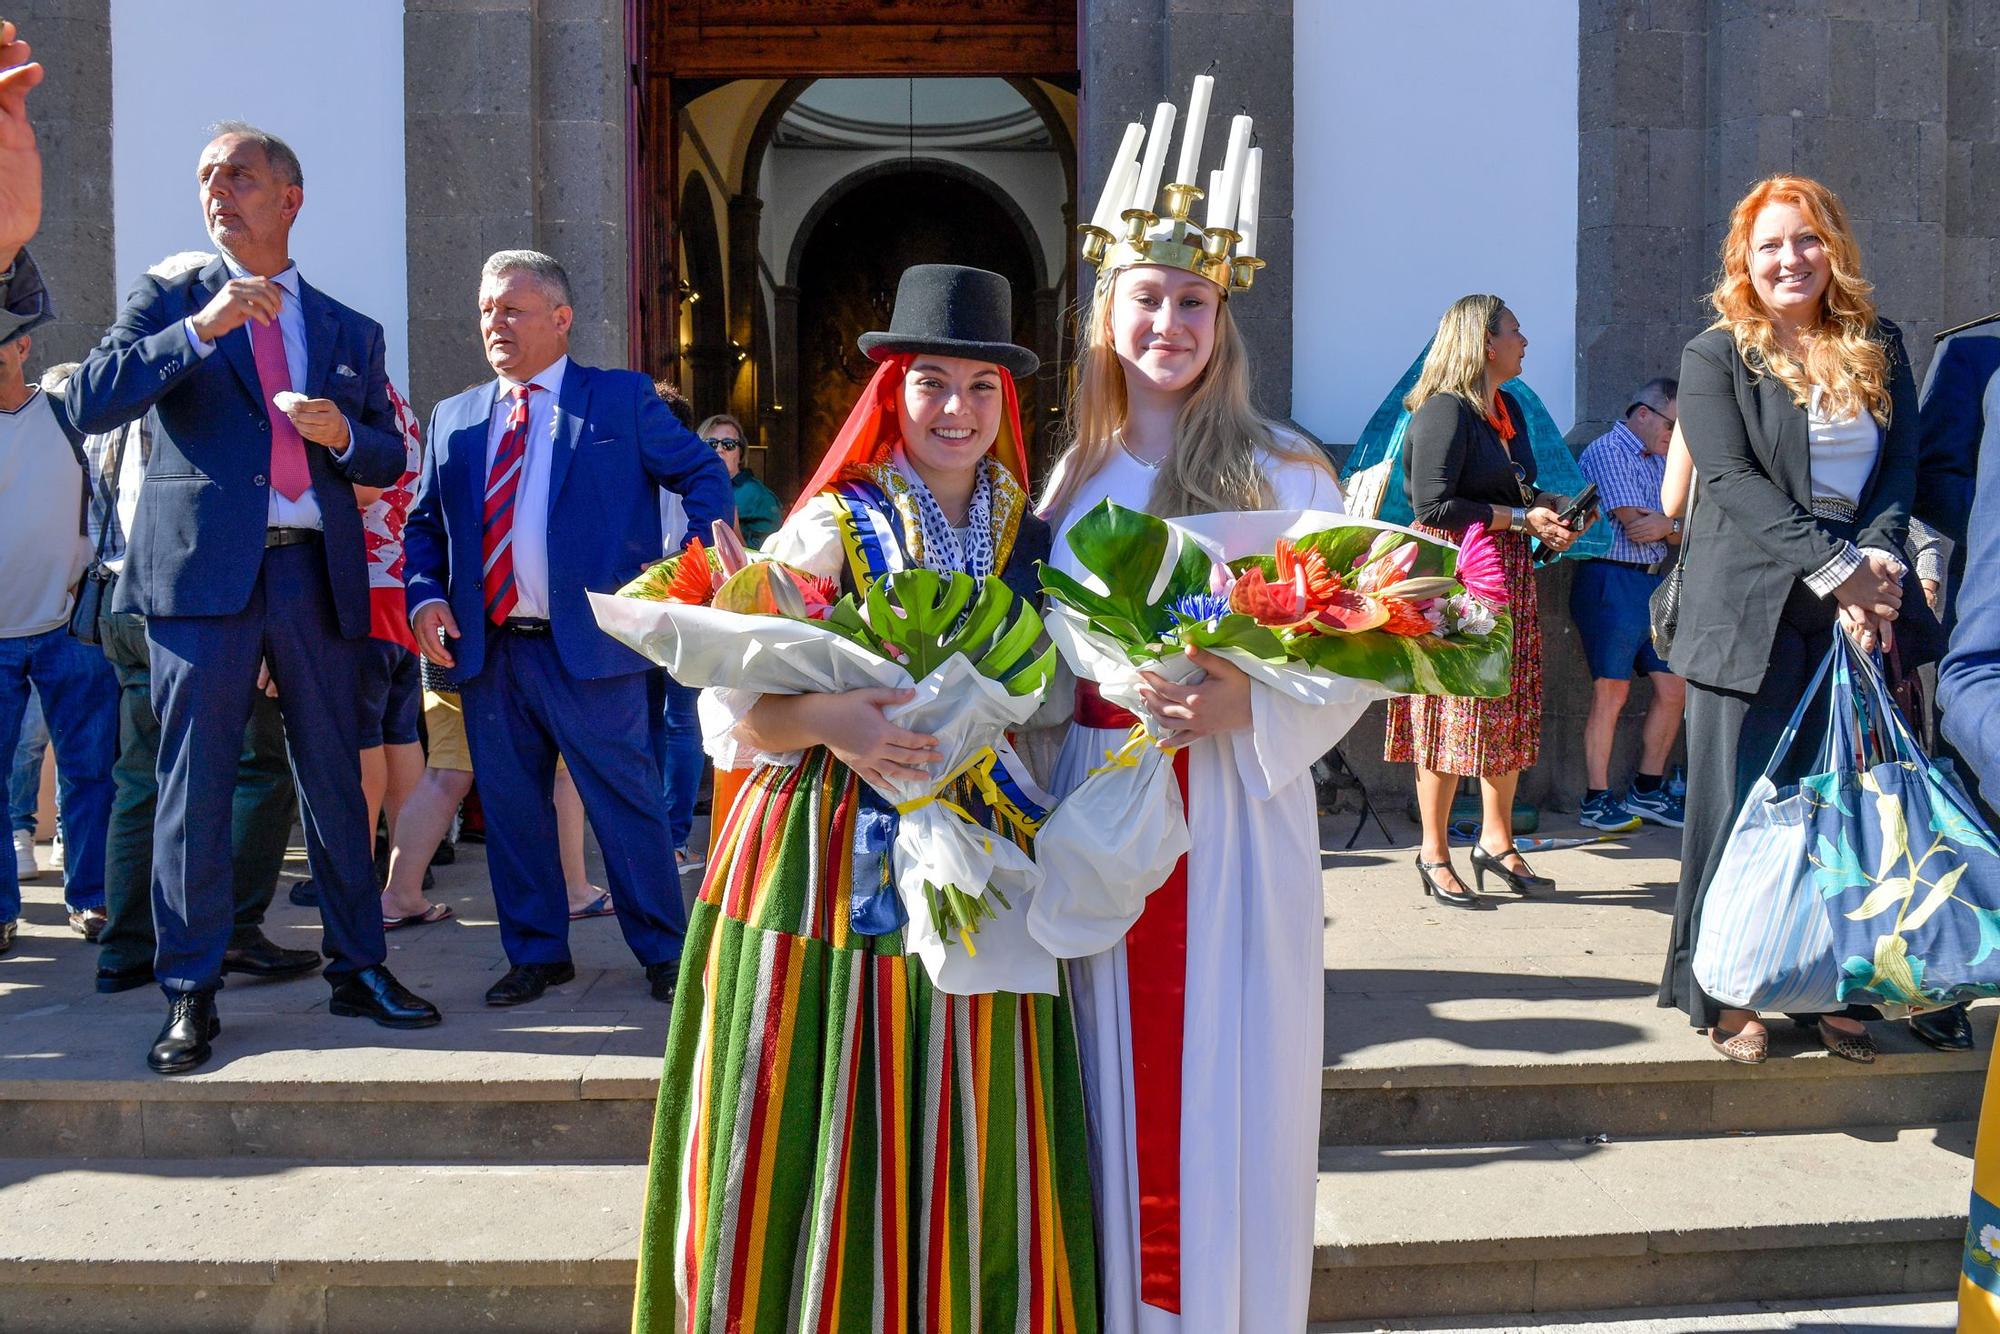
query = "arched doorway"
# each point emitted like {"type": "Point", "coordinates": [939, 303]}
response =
{"type": "Point", "coordinates": [707, 359]}
{"type": "Point", "coordinates": [849, 257]}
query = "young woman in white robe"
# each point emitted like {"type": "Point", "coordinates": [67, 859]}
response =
{"type": "Point", "coordinates": [1201, 1029]}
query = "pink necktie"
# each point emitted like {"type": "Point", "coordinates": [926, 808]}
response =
{"type": "Point", "coordinates": [288, 448]}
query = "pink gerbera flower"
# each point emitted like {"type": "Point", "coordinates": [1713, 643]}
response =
{"type": "Point", "coordinates": [1479, 566]}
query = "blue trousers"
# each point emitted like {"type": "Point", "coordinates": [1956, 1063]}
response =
{"type": "Point", "coordinates": [79, 698]}
{"type": "Point", "coordinates": [677, 750]}
{"type": "Point", "coordinates": [204, 678]}
{"type": "Point", "coordinates": [521, 711]}
{"type": "Point", "coordinates": [24, 785]}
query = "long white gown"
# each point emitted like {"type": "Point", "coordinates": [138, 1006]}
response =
{"type": "Point", "coordinates": [1251, 1047]}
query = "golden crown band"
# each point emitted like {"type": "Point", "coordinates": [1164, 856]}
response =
{"type": "Point", "coordinates": [1172, 242]}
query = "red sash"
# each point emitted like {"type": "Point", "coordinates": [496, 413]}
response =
{"type": "Point", "coordinates": [1156, 983]}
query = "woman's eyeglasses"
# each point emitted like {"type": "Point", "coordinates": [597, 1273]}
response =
{"type": "Point", "coordinates": [722, 442]}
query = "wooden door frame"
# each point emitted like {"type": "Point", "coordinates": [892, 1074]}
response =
{"type": "Point", "coordinates": [763, 39]}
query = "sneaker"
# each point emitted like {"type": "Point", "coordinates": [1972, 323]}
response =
{"type": "Point", "coordinates": [24, 854]}
{"type": "Point", "coordinates": [1677, 783]}
{"type": "Point", "coordinates": [1607, 814]}
{"type": "Point", "coordinates": [1657, 807]}
{"type": "Point", "coordinates": [56, 853]}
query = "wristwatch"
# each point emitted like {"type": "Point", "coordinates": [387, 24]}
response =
{"type": "Point", "coordinates": [1677, 527]}
{"type": "Point", "coordinates": [1517, 520]}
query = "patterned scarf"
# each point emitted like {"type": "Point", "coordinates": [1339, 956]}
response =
{"type": "Point", "coordinates": [942, 550]}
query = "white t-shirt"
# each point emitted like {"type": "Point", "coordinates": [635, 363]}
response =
{"type": "Point", "coordinates": [43, 551]}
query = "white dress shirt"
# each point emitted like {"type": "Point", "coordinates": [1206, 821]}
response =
{"type": "Point", "coordinates": [531, 499]}
{"type": "Point", "coordinates": [283, 513]}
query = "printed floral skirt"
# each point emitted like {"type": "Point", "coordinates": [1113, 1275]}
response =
{"type": "Point", "coordinates": [1458, 734]}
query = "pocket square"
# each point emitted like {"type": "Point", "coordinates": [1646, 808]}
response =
{"type": "Point", "coordinates": [346, 370]}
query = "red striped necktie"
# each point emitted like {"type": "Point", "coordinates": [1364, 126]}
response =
{"type": "Point", "coordinates": [503, 484]}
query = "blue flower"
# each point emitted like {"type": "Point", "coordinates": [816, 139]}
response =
{"type": "Point", "coordinates": [1205, 607]}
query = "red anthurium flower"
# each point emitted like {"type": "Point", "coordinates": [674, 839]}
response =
{"type": "Point", "coordinates": [1349, 613]}
{"type": "Point", "coordinates": [1267, 603]}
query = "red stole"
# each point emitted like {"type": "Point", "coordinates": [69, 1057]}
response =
{"type": "Point", "coordinates": [1156, 982]}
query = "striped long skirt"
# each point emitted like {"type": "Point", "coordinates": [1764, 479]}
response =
{"type": "Point", "coordinates": [838, 1145]}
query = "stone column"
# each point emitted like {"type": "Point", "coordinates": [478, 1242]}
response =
{"type": "Point", "coordinates": [1972, 161]}
{"type": "Point", "coordinates": [782, 434]}
{"type": "Point", "coordinates": [72, 116]}
{"type": "Point", "coordinates": [1141, 52]}
{"type": "Point", "coordinates": [746, 216]}
{"type": "Point", "coordinates": [516, 139]}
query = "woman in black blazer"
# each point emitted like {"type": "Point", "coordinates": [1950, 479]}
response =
{"type": "Point", "coordinates": [1799, 409]}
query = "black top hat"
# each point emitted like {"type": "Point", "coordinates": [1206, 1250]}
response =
{"type": "Point", "coordinates": [953, 311]}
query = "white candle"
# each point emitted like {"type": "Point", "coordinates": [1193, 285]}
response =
{"type": "Point", "coordinates": [1147, 196]}
{"type": "Point", "coordinates": [1222, 209]}
{"type": "Point", "coordinates": [1214, 193]}
{"type": "Point", "coordinates": [1197, 120]}
{"type": "Point", "coordinates": [1246, 210]}
{"type": "Point", "coordinates": [1118, 185]}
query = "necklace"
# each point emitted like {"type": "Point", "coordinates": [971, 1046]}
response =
{"type": "Point", "coordinates": [1149, 467]}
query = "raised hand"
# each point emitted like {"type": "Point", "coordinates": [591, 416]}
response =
{"type": "Point", "coordinates": [20, 161]}
{"type": "Point", "coordinates": [240, 301]}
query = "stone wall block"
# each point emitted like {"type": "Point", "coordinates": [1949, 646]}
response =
{"type": "Point", "coordinates": [1932, 145]}
{"type": "Point", "coordinates": [582, 170]}
{"type": "Point", "coordinates": [479, 164]}
{"type": "Point", "coordinates": [1682, 16]}
{"type": "Point", "coordinates": [1883, 11]}
{"type": "Point", "coordinates": [1650, 72]}
{"type": "Point", "coordinates": [1595, 16]}
{"type": "Point", "coordinates": [1596, 184]}
{"type": "Point", "coordinates": [1871, 164]}
{"type": "Point", "coordinates": [1775, 63]}
{"type": "Point", "coordinates": [1673, 176]}
{"type": "Point", "coordinates": [1971, 278]}
{"type": "Point", "coordinates": [468, 6]}
{"type": "Point", "coordinates": [1974, 22]}
{"type": "Point", "coordinates": [1958, 184]}
{"type": "Point", "coordinates": [1972, 92]}
{"type": "Point", "coordinates": [1909, 64]}
{"type": "Point", "coordinates": [1983, 182]}
{"type": "Point", "coordinates": [1903, 260]}
{"type": "Point", "coordinates": [582, 71]}
{"type": "Point", "coordinates": [444, 358]}
{"type": "Point", "coordinates": [1749, 149]}
{"type": "Point", "coordinates": [468, 63]}
{"type": "Point", "coordinates": [1852, 43]}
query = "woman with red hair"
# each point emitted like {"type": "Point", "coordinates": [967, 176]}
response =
{"type": "Point", "coordinates": [840, 1143]}
{"type": "Point", "coordinates": [1800, 413]}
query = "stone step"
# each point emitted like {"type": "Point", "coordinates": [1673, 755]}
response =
{"type": "Point", "coordinates": [577, 1086]}
{"type": "Point", "coordinates": [225, 1244]}
{"type": "Point", "coordinates": [1465, 1069]}
{"type": "Point", "coordinates": [1565, 1226]}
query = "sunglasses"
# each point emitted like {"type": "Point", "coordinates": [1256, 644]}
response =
{"type": "Point", "coordinates": [721, 442]}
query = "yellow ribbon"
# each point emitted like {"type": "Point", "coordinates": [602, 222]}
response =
{"type": "Point", "coordinates": [977, 768]}
{"type": "Point", "coordinates": [1127, 755]}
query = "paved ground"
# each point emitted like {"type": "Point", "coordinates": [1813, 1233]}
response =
{"type": "Point", "coordinates": [1862, 1317]}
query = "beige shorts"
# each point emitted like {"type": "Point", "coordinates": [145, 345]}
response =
{"type": "Point", "coordinates": [444, 720]}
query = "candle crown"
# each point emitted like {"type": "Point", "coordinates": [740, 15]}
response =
{"type": "Point", "coordinates": [1162, 230]}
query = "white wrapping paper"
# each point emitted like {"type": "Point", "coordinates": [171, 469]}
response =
{"type": "Point", "coordinates": [965, 710]}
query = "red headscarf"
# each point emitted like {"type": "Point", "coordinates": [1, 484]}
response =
{"type": "Point", "coordinates": [874, 428]}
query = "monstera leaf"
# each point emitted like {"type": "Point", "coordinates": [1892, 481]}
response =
{"type": "Point", "coordinates": [1420, 664]}
{"type": "Point", "coordinates": [921, 618]}
{"type": "Point", "coordinates": [684, 577]}
{"type": "Point", "coordinates": [1144, 566]}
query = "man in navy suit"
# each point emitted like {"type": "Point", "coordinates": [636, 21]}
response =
{"type": "Point", "coordinates": [538, 488]}
{"type": "Point", "coordinates": [271, 404]}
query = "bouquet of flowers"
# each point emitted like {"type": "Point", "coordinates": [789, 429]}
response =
{"type": "Point", "coordinates": [1318, 606]}
{"type": "Point", "coordinates": [977, 659]}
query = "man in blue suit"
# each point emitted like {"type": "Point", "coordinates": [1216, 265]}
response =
{"type": "Point", "coordinates": [270, 405]}
{"type": "Point", "coordinates": [538, 488]}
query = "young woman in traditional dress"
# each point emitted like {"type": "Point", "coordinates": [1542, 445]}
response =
{"type": "Point", "coordinates": [840, 1145]}
{"type": "Point", "coordinates": [1201, 1028]}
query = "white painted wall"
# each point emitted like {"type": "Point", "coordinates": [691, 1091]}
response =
{"type": "Point", "coordinates": [327, 79]}
{"type": "Point", "coordinates": [1435, 156]}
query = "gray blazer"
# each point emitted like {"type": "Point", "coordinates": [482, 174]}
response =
{"type": "Point", "coordinates": [1754, 535]}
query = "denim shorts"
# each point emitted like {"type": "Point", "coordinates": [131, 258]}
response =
{"type": "Point", "coordinates": [1608, 602]}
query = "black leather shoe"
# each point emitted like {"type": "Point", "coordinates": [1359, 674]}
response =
{"type": "Point", "coordinates": [264, 957]}
{"type": "Point", "coordinates": [374, 993]}
{"type": "Point", "coordinates": [304, 894]}
{"type": "Point", "coordinates": [111, 981]}
{"type": "Point", "coordinates": [526, 981]}
{"type": "Point", "coordinates": [183, 1044]}
{"type": "Point", "coordinates": [662, 977]}
{"type": "Point", "coordinates": [1947, 1029]}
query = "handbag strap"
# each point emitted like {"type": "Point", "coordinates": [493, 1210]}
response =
{"type": "Point", "coordinates": [1806, 697]}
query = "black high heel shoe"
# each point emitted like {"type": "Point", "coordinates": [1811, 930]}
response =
{"type": "Point", "coordinates": [1524, 883]}
{"type": "Point", "coordinates": [1457, 898]}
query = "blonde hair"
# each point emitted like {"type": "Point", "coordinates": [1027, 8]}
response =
{"type": "Point", "coordinates": [1456, 363]}
{"type": "Point", "coordinates": [722, 419]}
{"type": "Point", "coordinates": [1218, 435]}
{"type": "Point", "coordinates": [1845, 356]}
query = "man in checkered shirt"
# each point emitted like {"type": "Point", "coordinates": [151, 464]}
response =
{"type": "Point", "coordinates": [1609, 601]}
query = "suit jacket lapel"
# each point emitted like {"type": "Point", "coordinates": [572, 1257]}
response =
{"type": "Point", "coordinates": [1785, 427]}
{"type": "Point", "coordinates": [467, 462]}
{"type": "Point", "coordinates": [322, 328]}
{"type": "Point", "coordinates": [572, 406]}
{"type": "Point", "coordinates": [234, 345]}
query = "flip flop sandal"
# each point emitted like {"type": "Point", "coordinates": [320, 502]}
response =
{"type": "Point", "coordinates": [1741, 1047]}
{"type": "Point", "coordinates": [437, 912]}
{"type": "Point", "coordinates": [601, 906]}
{"type": "Point", "coordinates": [1856, 1047]}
